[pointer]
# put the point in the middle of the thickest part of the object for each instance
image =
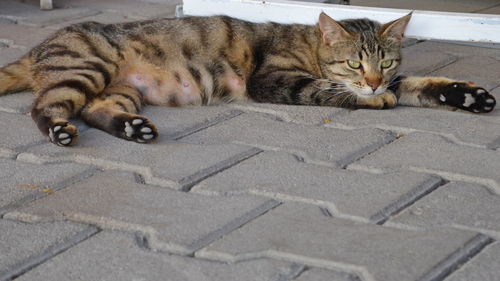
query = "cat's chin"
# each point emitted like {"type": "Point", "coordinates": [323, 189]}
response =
{"type": "Point", "coordinates": [368, 93]}
{"type": "Point", "coordinates": [367, 96]}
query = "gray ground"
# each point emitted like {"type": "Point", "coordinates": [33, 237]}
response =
{"type": "Point", "coordinates": [252, 191]}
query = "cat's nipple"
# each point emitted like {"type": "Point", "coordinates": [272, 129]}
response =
{"type": "Point", "coordinates": [185, 84]}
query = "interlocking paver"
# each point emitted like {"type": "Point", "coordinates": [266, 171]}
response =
{"type": "Point", "coordinates": [456, 126]}
{"type": "Point", "coordinates": [20, 241]}
{"type": "Point", "coordinates": [163, 163]}
{"type": "Point", "coordinates": [302, 233]}
{"type": "Point", "coordinates": [17, 182]}
{"type": "Point", "coordinates": [12, 31]}
{"type": "Point", "coordinates": [101, 17]}
{"type": "Point", "coordinates": [22, 131]}
{"type": "Point", "coordinates": [16, 103]}
{"type": "Point", "coordinates": [31, 15]}
{"type": "Point", "coordinates": [456, 204]}
{"type": "Point", "coordinates": [456, 49]}
{"type": "Point", "coordinates": [417, 62]}
{"type": "Point", "coordinates": [435, 154]}
{"type": "Point", "coordinates": [466, 69]}
{"type": "Point", "coordinates": [316, 144]}
{"type": "Point", "coordinates": [312, 115]}
{"type": "Point", "coordinates": [213, 149]}
{"type": "Point", "coordinates": [9, 55]}
{"type": "Point", "coordinates": [175, 122]}
{"type": "Point", "coordinates": [139, 9]}
{"type": "Point", "coordinates": [174, 221]}
{"type": "Point", "coordinates": [280, 175]}
{"type": "Point", "coordinates": [483, 267]}
{"type": "Point", "coordinates": [90, 260]}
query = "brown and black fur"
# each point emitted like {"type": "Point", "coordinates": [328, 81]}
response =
{"type": "Point", "coordinates": [106, 73]}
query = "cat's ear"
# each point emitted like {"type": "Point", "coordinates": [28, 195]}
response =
{"type": "Point", "coordinates": [331, 30]}
{"type": "Point", "coordinates": [395, 28]}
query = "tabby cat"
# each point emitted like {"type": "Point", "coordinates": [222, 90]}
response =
{"type": "Point", "coordinates": [105, 73]}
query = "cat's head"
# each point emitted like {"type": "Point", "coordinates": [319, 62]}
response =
{"type": "Point", "coordinates": [361, 54]}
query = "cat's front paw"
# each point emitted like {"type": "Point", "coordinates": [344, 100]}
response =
{"type": "Point", "coordinates": [385, 100]}
{"type": "Point", "coordinates": [467, 96]}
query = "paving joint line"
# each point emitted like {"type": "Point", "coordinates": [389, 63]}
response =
{"type": "Point", "coordinates": [104, 164]}
{"type": "Point", "coordinates": [408, 199]}
{"type": "Point", "coordinates": [458, 258]}
{"type": "Point", "coordinates": [233, 225]}
{"type": "Point", "coordinates": [188, 182]}
{"type": "Point", "coordinates": [367, 150]}
{"type": "Point", "coordinates": [402, 131]}
{"type": "Point", "coordinates": [87, 173]}
{"type": "Point", "coordinates": [50, 252]}
{"type": "Point", "coordinates": [295, 271]}
{"type": "Point", "coordinates": [206, 124]}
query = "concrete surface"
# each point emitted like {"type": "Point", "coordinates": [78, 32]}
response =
{"type": "Point", "coordinates": [254, 192]}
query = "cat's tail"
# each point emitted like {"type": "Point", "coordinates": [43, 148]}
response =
{"type": "Point", "coordinates": [15, 77]}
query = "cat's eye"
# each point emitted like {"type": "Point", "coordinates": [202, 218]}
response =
{"type": "Point", "coordinates": [386, 63]}
{"type": "Point", "coordinates": [354, 64]}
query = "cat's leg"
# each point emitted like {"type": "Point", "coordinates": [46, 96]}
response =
{"type": "Point", "coordinates": [55, 104]}
{"type": "Point", "coordinates": [385, 100]}
{"type": "Point", "coordinates": [292, 88]}
{"type": "Point", "coordinates": [115, 112]}
{"type": "Point", "coordinates": [442, 92]}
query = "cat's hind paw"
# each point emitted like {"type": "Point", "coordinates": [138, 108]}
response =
{"type": "Point", "coordinates": [468, 97]}
{"type": "Point", "coordinates": [63, 133]}
{"type": "Point", "coordinates": [136, 128]}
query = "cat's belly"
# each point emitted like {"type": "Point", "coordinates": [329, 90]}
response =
{"type": "Point", "coordinates": [177, 87]}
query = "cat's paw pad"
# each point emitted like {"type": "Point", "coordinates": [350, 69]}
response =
{"type": "Point", "coordinates": [63, 133]}
{"type": "Point", "coordinates": [139, 129]}
{"type": "Point", "coordinates": [468, 97]}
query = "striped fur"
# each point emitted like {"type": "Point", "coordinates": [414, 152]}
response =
{"type": "Point", "coordinates": [107, 73]}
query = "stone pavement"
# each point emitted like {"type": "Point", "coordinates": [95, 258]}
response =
{"type": "Point", "coordinates": [252, 191]}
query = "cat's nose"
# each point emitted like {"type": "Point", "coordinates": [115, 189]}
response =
{"type": "Point", "coordinates": [373, 82]}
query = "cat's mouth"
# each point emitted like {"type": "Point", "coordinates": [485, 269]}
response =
{"type": "Point", "coordinates": [366, 91]}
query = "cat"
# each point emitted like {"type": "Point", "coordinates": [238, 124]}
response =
{"type": "Point", "coordinates": [105, 73]}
